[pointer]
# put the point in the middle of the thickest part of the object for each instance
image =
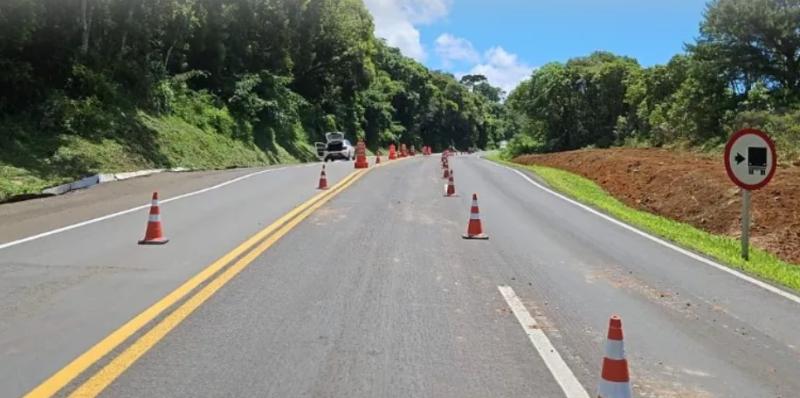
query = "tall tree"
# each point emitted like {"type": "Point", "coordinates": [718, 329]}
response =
{"type": "Point", "coordinates": [755, 40]}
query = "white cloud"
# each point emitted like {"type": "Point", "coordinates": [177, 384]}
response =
{"type": "Point", "coordinates": [451, 48]}
{"type": "Point", "coordinates": [395, 21]}
{"type": "Point", "coordinates": [425, 11]}
{"type": "Point", "coordinates": [503, 69]}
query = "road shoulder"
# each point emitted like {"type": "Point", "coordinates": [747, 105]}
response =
{"type": "Point", "coordinates": [31, 217]}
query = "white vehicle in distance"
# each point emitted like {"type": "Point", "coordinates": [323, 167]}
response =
{"type": "Point", "coordinates": [336, 147]}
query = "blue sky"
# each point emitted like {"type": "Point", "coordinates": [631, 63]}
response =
{"type": "Point", "coordinates": [506, 39]}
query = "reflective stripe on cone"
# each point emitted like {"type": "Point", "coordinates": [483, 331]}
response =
{"type": "Point", "coordinates": [154, 235]}
{"type": "Point", "coordinates": [614, 377]}
{"type": "Point", "coordinates": [474, 228]}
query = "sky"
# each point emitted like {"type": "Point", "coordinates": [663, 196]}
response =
{"type": "Point", "coordinates": [505, 40]}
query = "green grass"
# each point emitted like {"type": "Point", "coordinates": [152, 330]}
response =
{"type": "Point", "coordinates": [725, 249]}
{"type": "Point", "coordinates": [32, 163]}
{"type": "Point", "coordinates": [184, 145]}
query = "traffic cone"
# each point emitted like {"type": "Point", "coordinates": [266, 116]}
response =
{"type": "Point", "coordinates": [361, 156]}
{"type": "Point", "coordinates": [474, 228]}
{"type": "Point", "coordinates": [446, 173]}
{"type": "Point", "coordinates": [323, 179]}
{"type": "Point", "coordinates": [614, 379]}
{"type": "Point", "coordinates": [392, 152]}
{"type": "Point", "coordinates": [450, 188]}
{"type": "Point", "coordinates": [154, 234]}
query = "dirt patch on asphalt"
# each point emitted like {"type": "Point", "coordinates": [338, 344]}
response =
{"type": "Point", "coordinates": [691, 188]}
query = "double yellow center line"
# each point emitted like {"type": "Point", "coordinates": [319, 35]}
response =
{"type": "Point", "coordinates": [245, 253]}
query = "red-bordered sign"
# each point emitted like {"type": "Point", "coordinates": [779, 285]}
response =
{"type": "Point", "coordinates": [750, 159]}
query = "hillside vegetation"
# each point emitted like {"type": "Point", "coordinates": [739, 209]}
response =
{"type": "Point", "coordinates": [742, 71]}
{"type": "Point", "coordinates": [111, 85]}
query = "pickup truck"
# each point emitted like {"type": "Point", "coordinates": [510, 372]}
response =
{"type": "Point", "coordinates": [336, 147]}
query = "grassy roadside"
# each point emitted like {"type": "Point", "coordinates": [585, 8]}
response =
{"type": "Point", "coordinates": [37, 161]}
{"type": "Point", "coordinates": [722, 248]}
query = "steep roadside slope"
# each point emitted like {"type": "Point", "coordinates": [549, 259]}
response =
{"type": "Point", "coordinates": [690, 188]}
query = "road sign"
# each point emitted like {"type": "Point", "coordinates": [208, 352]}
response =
{"type": "Point", "coordinates": [750, 159]}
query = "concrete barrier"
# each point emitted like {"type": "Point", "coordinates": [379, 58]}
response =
{"type": "Point", "coordinates": [88, 182]}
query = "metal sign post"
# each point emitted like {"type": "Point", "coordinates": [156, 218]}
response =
{"type": "Point", "coordinates": [750, 161]}
{"type": "Point", "coordinates": [746, 224]}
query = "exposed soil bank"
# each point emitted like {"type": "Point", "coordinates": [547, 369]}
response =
{"type": "Point", "coordinates": [691, 188]}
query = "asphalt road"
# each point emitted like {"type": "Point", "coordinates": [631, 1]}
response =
{"type": "Point", "coordinates": [375, 294]}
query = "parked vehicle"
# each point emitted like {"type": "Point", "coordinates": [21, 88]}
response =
{"type": "Point", "coordinates": [335, 147]}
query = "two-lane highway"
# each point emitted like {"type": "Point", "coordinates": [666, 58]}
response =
{"type": "Point", "coordinates": [375, 293]}
{"type": "Point", "coordinates": [62, 293]}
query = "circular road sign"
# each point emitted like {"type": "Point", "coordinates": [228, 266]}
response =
{"type": "Point", "coordinates": [750, 159]}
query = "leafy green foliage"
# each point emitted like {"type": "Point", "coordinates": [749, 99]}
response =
{"type": "Point", "coordinates": [270, 75]}
{"type": "Point", "coordinates": [744, 70]}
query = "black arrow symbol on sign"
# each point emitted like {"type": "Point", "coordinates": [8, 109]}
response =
{"type": "Point", "coordinates": [739, 158]}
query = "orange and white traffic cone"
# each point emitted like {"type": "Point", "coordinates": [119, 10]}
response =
{"type": "Point", "coordinates": [614, 379]}
{"type": "Point", "coordinates": [155, 233]}
{"type": "Point", "coordinates": [474, 228]}
{"type": "Point", "coordinates": [450, 188]}
{"type": "Point", "coordinates": [323, 179]}
{"type": "Point", "coordinates": [446, 173]}
{"type": "Point", "coordinates": [361, 156]}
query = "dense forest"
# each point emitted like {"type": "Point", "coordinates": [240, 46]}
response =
{"type": "Point", "coordinates": [107, 85]}
{"type": "Point", "coordinates": [742, 71]}
{"type": "Point", "coordinates": [119, 85]}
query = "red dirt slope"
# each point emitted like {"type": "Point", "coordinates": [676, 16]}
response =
{"type": "Point", "coordinates": [693, 189]}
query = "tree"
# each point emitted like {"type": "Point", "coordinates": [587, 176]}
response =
{"type": "Point", "coordinates": [754, 41]}
{"type": "Point", "coordinates": [491, 93]}
{"type": "Point", "coordinates": [286, 70]}
{"type": "Point", "coordinates": [473, 80]}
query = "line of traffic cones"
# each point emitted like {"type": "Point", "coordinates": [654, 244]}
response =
{"type": "Point", "coordinates": [614, 376]}
{"type": "Point", "coordinates": [474, 226]}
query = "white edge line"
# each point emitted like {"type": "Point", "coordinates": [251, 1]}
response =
{"type": "Point", "coordinates": [558, 368]}
{"type": "Point", "coordinates": [695, 256]}
{"type": "Point", "coordinates": [131, 210]}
